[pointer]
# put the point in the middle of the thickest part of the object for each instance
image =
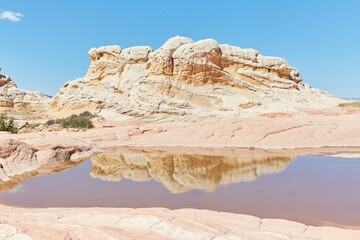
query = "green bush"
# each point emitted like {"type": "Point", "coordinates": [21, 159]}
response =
{"type": "Point", "coordinates": [83, 120]}
{"type": "Point", "coordinates": [350, 104]}
{"type": "Point", "coordinates": [88, 114]}
{"type": "Point", "coordinates": [7, 124]}
{"type": "Point", "coordinates": [50, 122]}
{"type": "Point", "coordinates": [75, 121]}
{"type": "Point", "coordinates": [34, 125]}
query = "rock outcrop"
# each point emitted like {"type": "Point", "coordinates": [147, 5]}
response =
{"type": "Point", "coordinates": [21, 103]}
{"type": "Point", "coordinates": [20, 161]}
{"type": "Point", "coordinates": [186, 78]}
{"type": "Point", "coordinates": [180, 173]}
{"type": "Point", "coordinates": [154, 223]}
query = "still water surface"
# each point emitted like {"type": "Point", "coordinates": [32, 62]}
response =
{"type": "Point", "coordinates": [313, 190]}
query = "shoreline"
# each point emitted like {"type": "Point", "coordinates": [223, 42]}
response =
{"type": "Point", "coordinates": [155, 223]}
{"type": "Point", "coordinates": [289, 135]}
{"type": "Point", "coordinates": [25, 214]}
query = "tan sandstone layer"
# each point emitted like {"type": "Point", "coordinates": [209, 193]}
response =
{"type": "Point", "coordinates": [20, 103]}
{"type": "Point", "coordinates": [154, 223]}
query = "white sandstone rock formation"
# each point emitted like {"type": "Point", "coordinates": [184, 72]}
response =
{"type": "Point", "coordinates": [187, 78]}
{"type": "Point", "coordinates": [15, 101]}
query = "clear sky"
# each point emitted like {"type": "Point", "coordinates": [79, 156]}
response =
{"type": "Point", "coordinates": [44, 43]}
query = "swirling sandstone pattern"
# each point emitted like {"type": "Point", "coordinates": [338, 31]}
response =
{"type": "Point", "coordinates": [21, 103]}
{"type": "Point", "coordinates": [154, 223]}
{"type": "Point", "coordinates": [184, 77]}
{"type": "Point", "coordinates": [20, 161]}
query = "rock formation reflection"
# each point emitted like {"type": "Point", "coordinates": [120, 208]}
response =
{"type": "Point", "coordinates": [181, 172]}
{"type": "Point", "coordinates": [21, 172]}
{"type": "Point", "coordinates": [178, 170]}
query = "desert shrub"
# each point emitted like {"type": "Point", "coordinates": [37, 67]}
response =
{"type": "Point", "coordinates": [88, 114]}
{"type": "Point", "coordinates": [75, 121]}
{"type": "Point", "coordinates": [50, 122]}
{"type": "Point", "coordinates": [34, 125]}
{"type": "Point", "coordinates": [249, 105]}
{"type": "Point", "coordinates": [350, 104]}
{"type": "Point", "coordinates": [7, 124]}
{"type": "Point", "coordinates": [83, 120]}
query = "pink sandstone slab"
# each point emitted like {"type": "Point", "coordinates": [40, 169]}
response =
{"type": "Point", "coordinates": [334, 128]}
{"type": "Point", "coordinates": [154, 223]}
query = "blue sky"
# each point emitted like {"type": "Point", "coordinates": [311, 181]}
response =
{"type": "Point", "coordinates": [46, 43]}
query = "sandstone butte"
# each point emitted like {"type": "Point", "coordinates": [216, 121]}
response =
{"type": "Point", "coordinates": [192, 94]}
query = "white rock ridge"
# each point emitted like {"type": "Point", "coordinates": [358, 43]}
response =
{"type": "Point", "coordinates": [187, 78]}
{"type": "Point", "coordinates": [17, 101]}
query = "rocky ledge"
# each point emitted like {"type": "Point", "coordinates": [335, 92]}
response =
{"type": "Point", "coordinates": [20, 161]}
{"type": "Point", "coordinates": [154, 223]}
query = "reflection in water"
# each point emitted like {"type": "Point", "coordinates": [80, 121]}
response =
{"type": "Point", "coordinates": [311, 190]}
{"type": "Point", "coordinates": [181, 173]}
{"type": "Point", "coordinates": [15, 173]}
{"type": "Point", "coordinates": [177, 171]}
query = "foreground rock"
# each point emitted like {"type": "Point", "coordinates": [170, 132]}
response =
{"type": "Point", "coordinates": [186, 78]}
{"type": "Point", "coordinates": [154, 223]}
{"type": "Point", "coordinates": [331, 128]}
{"type": "Point", "coordinates": [20, 161]}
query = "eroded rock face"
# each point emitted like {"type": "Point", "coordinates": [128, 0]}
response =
{"type": "Point", "coordinates": [186, 77]}
{"type": "Point", "coordinates": [181, 173]}
{"type": "Point", "coordinates": [20, 161]}
{"type": "Point", "coordinates": [18, 102]}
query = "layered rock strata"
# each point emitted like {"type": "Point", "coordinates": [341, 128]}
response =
{"type": "Point", "coordinates": [20, 161]}
{"type": "Point", "coordinates": [186, 77]}
{"type": "Point", "coordinates": [20, 103]}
